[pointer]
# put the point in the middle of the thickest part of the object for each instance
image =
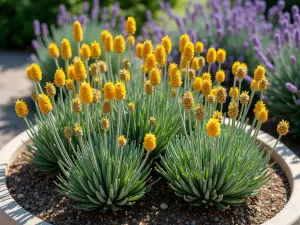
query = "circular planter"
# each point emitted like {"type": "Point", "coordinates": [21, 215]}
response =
{"type": "Point", "coordinates": [12, 213]}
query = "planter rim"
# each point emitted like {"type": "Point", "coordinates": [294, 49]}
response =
{"type": "Point", "coordinates": [12, 213]}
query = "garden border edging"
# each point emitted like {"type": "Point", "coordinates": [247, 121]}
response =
{"type": "Point", "coordinates": [12, 213]}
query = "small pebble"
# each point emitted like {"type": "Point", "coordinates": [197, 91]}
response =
{"type": "Point", "coordinates": [178, 221]}
{"type": "Point", "coordinates": [193, 222]}
{"type": "Point", "coordinates": [163, 206]}
{"type": "Point", "coordinates": [19, 196]}
{"type": "Point", "coordinates": [216, 219]}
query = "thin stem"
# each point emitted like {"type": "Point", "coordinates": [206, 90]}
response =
{"type": "Point", "coordinates": [66, 67]}
{"type": "Point", "coordinates": [53, 101]}
{"type": "Point", "coordinates": [105, 140]}
{"type": "Point", "coordinates": [40, 88]}
{"type": "Point", "coordinates": [56, 63]}
{"type": "Point", "coordinates": [209, 67]}
{"type": "Point", "coordinates": [240, 86]}
{"type": "Point", "coordinates": [212, 157]}
{"type": "Point", "coordinates": [61, 98]}
{"type": "Point", "coordinates": [118, 127]}
{"type": "Point", "coordinates": [87, 69]}
{"type": "Point", "coordinates": [127, 133]}
{"type": "Point", "coordinates": [111, 71]}
{"type": "Point", "coordinates": [89, 134]}
{"type": "Point", "coordinates": [278, 139]}
{"type": "Point", "coordinates": [119, 63]}
{"type": "Point", "coordinates": [129, 46]}
{"type": "Point", "coordinates": [153, 101]}
{"type": "Point", "coordinates": [187, 74]}
{"type": "Point", "coordinates": [143, 163]}
{"type": "Point", "coordinates": [78, 48]}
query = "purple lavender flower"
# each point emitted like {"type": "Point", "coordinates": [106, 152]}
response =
{"type": "Point", "coordinates": [104, 14]}
{"type": "Point", "coordinates": [62, 9]}
{"type": "Point", "coordinates": [297, 38]}
{"type": "Point", "coordinates": [295, 9]}
{"type": "Point", "coordinates": [281, 5]}
{"type": "Point", "coordinates": [162, 6]}
{"type": "Point", "coordinates": [256, 41]}
{"type": "Point", "coordinates": [149, 15]}
{"type": "Point", "coordinates": [75, 18]}
{"type": "Point", "coordinates": [94, 14]}
{"type": "Point", "coordinates": [277, 39]}
{"type": "Point", "coordinates": [33, 57]}
{"type": "Point", "coordinates": [270, 67]}
{"type": "Point", "coordinates": [35, 44]}
{"type": "Point", "coordinates": [293, 59]}
{"type": "Point", "coordinates": [248, 79]}
{"type": "Point", "coordinates": [219, 34]}
{"type": "Point", "coordinates": [291, 87]}
{"type": "Point", "coordinates": [286, 36]}
{"type": "Point", "coordinates": [86, 6]}
{"type": "Point", "coordinates": [265, 98]}
{"type": "Point", "coordinates": [83, 19]}
{"type": "Point", "coordinates": [193, 36]}
{"type": "Point", "coordinates": [37, 27]}
{"type": "Point", "coordinates": [45, 30]}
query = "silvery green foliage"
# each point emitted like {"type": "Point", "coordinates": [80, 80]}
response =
{"type": "Point", "coordinates": [111, 183]}
{"type": "Point", "coordinates": [238, 169]}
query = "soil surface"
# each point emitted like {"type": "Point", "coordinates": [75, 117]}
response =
{"type": "Point", "coordinates": [38, 194]}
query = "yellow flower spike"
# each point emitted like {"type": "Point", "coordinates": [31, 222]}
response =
{"type": "Point", "coordinates": [233, 110]}
{"type": "Point", "coordinates": [124, 75]}
{"type": "Point", "coordinates": [85, 52]}
{"type": "Point", "coordinates": [175, 78]}
{"type": "Point", "coordinates": [184, 38]}
{"type": "Point", "coordinates": [131, 40]}
{"type": "Point", "coordinates": [213, 127]}
{"type": "Point", "coordinates": [241, 72]}
{"type": "Point", "coordinates": [160, 55]}
{"type": "Point", "coordinates": [188, 101]}
{"type": "Point", "coordinates": [106, 107]}
{"type": "Point", "coordinates": [211, 56]}
{"type": "Point", "coordinates": [53, 51]}
{"type": "Point", "coordinates": [283, 128]}
{"type": "Point", "coordinates": [254, 85]}
{"type": "Point", "coordinates": [120, 90]}
{"type": "Point", "coordinates": [97, 81]}
{"type": "Point", "coordinates": [96, 95]}
{"type": "Point", "coordinates": [235, 67]}
{"type": "Point", "coordinates": [220, 76]}
{"type": "Point", "coordinates": [206, 76]}
{"type": "Point", "coordinates": [139, 50]}
{"type": "Point", "coordinates": [262, 115]}
{"type": "Point", "coordinates": [21, 108]}
{"type": "Point", "coordinates": [126, 64]}
{"type": "Point", "coordinates": [197, 84]}
{"type": "Point", "coordinates": [155, 77]}
{"type": "Point", "coordinates": [79, 70]}
{"type": "Point", "coordinates": [119, 44]}
{"type": "Point", "coordinates": [147, 48]}
{"type": "Point", "coordinates": [263, 85]}
{"type": "Point", "coordinates": [109, 91]}
{"type": "Point", "coordinates": [218, 115]}
{"type": "Point", "coordinates": [122, 141]}
{"type": "Point", "coordinates": [150, 61]}
{"type": "Point", "coordinates": [28, 69]}
{"type": "Point", "coordinates": [195, 64]}
{"type": "Point", "coordinates": [199, 112]}
{"type": "Point", "coordinates": [104, 123]}
{"type": "Point", "coordinates": [259, 105]}
{"type": "Point", "coordinates": [70, 85]}
{"type": "Point", "coordinates": [244, 97]}
{"type": "Point", "coordinates": [183, 63]}
{"type": "Point", "coordinates": [221, 55]}
{"type": "Point", "coordinates": [259, 73]}
{"type": "Point", "coordinates": [93, 69]}
{"type": "Point", "coordinates": [78, 130]}
{"type": "Point", "coordinates": [44, 104]}
{"type": "Point", "coordinates": [50, 89]}
{"type": "Point", "coordinates": [211, 98]}
{"type": "Point", "coordinates": [214, 91]}
{"type": "Point", "coordinates": [35, 72]}
{"type": "Point", "coordinates": [221, 95]}
{"type": "Point", "coordinates": [173, 68]}
{"type": "Point", "coordinates": [130, 25]}
{"type": "Point", "coordinates": [103, 66]}
{"type": "Point", "coordinates": [77, 32]}
{"type": "Point", "coordinates": [206, 87]}
{"type": "Point", "coordinates": [199, 47]}
{"type": "Point", "coordinates": [65, 49]}
{"type": "Point", "coordinates": [233, 93]}
{"type": "Point", "coordinates": [103, 35]}
{"type": "Point", "coordinates": [148, 88]}
{"type": "Point", "coordinates": [109, 42]}
{"type": "Point", "coordinates": [149, 142]}
{"type": "Point", "coordinates": [68, 132]}
{"type": "Point", "coordinates": [76, 105]}
{"type": "Point", "coordinates": [188, 51]}
{"type": "Point", "coordinates": [201, 61]}
{"type": "Point", "coordinates": [131, 106]}
{"type": "Point", "coordinates": [95, 50]}
{"type": "Point", "coordinates": [167, 43]}
{"type": "Point", "coordinates": [86, 93]}
{"type": "Point", "coordinates": [59, 78]}
{"type": "Point", "coordinates": [34, 96]}
{"type": "Point", "coordinates": [71, 72]}
{"type": "Point", "coordinates": [192, 74]}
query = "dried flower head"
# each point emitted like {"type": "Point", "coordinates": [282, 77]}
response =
{"type": "Point", "coordinates": [122, 141]}
{"type": "Point", "coordinates": [35, 72]}
{"type": "Point", "coordinates": [152, 121]}
{"type": "Point", "coordinates": [44, 104]}
{"type": "Point", "coordinates": [149, 142]}
{"type": "Point", "coordinates": [130, 25]}
{"type": "Point", "coordinates": [211, 98]}
{"type": "Point", "coordinates": [126, 64]}
{"type": "Point", "coordinates": [79, 70]}
{"type": "Point", "coordinates": [21, 108]}
{"type": "Point", "coordinates": [78, 130]}
{"type": "Point", "coordinates": [184, 38]}
{"type": "Point", "coordinates": [211, 56]}
{"type": "Point", "coordinates": [199, 47]}
{"type": "Point", "coordinates": [221, 55]}
{"type": "Point", "coordinates": [106, 107]}
{"type": "Point", "coordinates": [86, 93]}
{"type": "Point", "coordinates": [218, 115]}
{"type": "Point", "coordinates": [213, 127]}
{"type": "Point", "coordinates": [160, 54]}
{"type": "Point", "coordinates": [174, 92]}
{"type": "Point", "coordinates": [283, 127]}
{"type": "Point", "coordinates": [65, 49]}
{"type": "Point", "coordinates": [77, 32]}
{"type": "Point", "coordinates": [103, 66]}
{"type": "Point", "coordinates": [188, 51]}
{"type": "Point", "coordinates": [76, 105]}
{"type": "Point", "coordinates": [119, 44]}
{"type": "Point", "coordinates": [263, 85]}
{"type": "Point", "coordinates": [148, 88]}
{"type": "Point", "coordinates": [192, 74]}
{"type": "Point", "coordinates": [197, 84]}
{"type": "Point", "coordinates": [155, 77]}
{"type": "Point", "coordinates": [131, 106]}
{"type": "Point", "coordinates": [124, 75]}
{"type": "Point", "coordinates": [167, 43]}
{"type": "Point", "coordinates": [109, 91]}
{"type": "Point", "coordinates": [233, 110]}
{"type": "Point", "coordinates": [199, 112]}
{"type": "Point", "coordinates": [68, 132]}
{"type": "Point", "coordinates": [96, 95]}
{"type": "Point", "coordinates": [221, 95]}
{"type": "Point", "coordinates": [188, 101]}
{"type": "Point", "coordinates": [206, 87]}
{"type": "Point", "coordinates": [34, 96]}
{"type": "Point", "coordinates": [59, 78]}
{"type": "Point", "coordinates": [259, 73]}
{"type": "Point", "coordinates": [95, 50]}
{"type": "Point", "coordinates": [93, 69]}
{"type": "Point", "coordinates": [70, 85]}
{"type": "Point", "coordinates": [244, 97]}
{"type": "Point", "coordinates": [53, 51]}
{"type": "Point", "coordinates": [50, 89]}
{"type": "Point", "coordinates": [241, 72]}
{"type": "Point", "coordinates": [120, 90]}
{"type": "Point", "coordinates": [201, 61]}
{"type": "Point", "coordinates": [104, 123]}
